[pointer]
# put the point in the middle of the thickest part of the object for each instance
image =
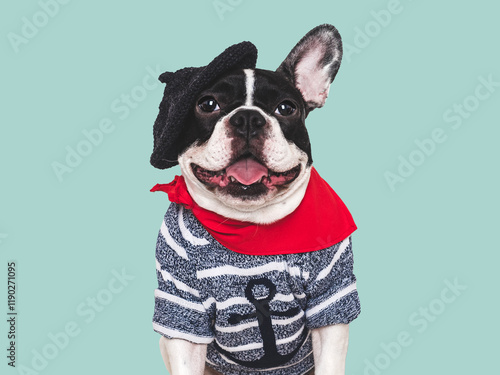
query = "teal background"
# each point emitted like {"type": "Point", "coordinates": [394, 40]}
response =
{"type": "Point", "coordinates": [68, 236]}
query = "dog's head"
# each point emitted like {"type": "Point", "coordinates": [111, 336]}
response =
{"type": "Point", "coordinates": [242, 144]}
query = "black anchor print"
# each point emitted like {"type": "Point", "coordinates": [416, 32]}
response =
{"type": "Point", "coordinates": [263, 314]}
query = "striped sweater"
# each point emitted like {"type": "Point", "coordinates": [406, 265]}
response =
{"type": "Point", "coordinates": [254, 312]}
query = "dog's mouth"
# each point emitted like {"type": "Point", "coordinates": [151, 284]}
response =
{"type": "Point", "coordinates": [246, 176]}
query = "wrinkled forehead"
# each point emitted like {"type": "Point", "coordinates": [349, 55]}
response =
{"type": "Point", "coordinates": [253, 87]}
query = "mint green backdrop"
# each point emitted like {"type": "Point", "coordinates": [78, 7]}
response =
{"type": "Point", "coordinates": [408, 138]}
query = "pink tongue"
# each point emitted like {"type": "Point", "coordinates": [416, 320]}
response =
{"type": "Point", "coordinates": [247, 171]}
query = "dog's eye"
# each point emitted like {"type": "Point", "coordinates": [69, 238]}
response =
{"type": "Point", "coordinates": [208, 104]}
{"type": "Point", "coordinates": [285, 108]}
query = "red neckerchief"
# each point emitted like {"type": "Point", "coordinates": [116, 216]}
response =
{"type": "Point", "coordinates": [321, 220]}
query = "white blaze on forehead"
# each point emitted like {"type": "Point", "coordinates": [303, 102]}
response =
{"type": "Point", "coordinates": [250, 85]}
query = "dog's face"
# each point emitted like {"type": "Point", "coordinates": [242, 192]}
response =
{"type": "Point", "coordinates": [253, 147]}
{"type": "Point", "coordinates": [247, 153]}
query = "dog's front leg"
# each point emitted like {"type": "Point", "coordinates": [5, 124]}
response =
{"type": "Point", "coordinates": [182, 357]}
{"type": "Point", "coordinates": [330, 349]}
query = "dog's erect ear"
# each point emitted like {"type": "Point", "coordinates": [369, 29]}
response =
{"type": "Point", "coordinates": [313, 63]}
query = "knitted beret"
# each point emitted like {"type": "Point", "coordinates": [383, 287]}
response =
{"type": "Point", "coordinates": [181, 91]}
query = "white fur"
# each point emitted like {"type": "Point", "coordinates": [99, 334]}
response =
{"type": "Point", "coordinates": [330, 349]}
{"type": "Point", "coordinates": [280, 155]}
{"type": "Point", "coordinates": [314, 83]}
{"type": "Point", "coordinates": [182, 357]}
{"type": "Point", "coordinates": [249, 85]}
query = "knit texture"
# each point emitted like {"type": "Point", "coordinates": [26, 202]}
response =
{"type": "Point", "coordinates": [181, 91]}
{"type": "Point", "coordinates": [254, 312]}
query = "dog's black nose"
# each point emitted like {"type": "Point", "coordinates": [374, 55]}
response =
{"type": "Point", "coordinates": [248, 123]}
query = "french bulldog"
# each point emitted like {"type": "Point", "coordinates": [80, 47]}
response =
{"type": "Point", "coordinates": [245, 157]}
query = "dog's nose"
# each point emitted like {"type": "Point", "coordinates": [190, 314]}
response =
{"type": "Point", "coordinates": [248, 123]}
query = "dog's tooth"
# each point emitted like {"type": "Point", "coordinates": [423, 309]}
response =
{"type": "Point", "coordinates": [232, 179]}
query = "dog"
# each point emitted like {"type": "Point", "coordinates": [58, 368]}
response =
{"type": "Point", "coordinates": [254, 258]}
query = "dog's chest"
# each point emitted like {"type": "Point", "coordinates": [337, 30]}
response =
{"type": "Point", "coordinates": [254, 312]}
{"type": "Point", "coordinates": [256, 304]}
{"type": "Point", "coordinates": [233, 286]}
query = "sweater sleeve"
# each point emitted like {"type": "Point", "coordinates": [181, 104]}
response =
{"type": "Point", "coordinates": [331, 290]}
{"type": "Point", "coordinates": [179, 311]}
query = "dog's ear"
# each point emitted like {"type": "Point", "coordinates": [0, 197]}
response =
{"type": "Point", "coordinates": [313, 63]}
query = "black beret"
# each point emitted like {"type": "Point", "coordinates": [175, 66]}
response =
{"type": "Point", "coordinates": [182, 89]}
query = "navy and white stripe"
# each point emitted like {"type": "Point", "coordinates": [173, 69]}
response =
{"type": "Point", "coordinates": [201, 285]}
